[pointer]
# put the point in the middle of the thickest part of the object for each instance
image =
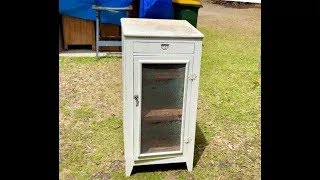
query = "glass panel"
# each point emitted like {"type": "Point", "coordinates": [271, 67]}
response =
{"type": "Point", "coordinates": [162, 104]}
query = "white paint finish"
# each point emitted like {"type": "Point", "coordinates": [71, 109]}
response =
{"type": "Point", "coordinates": [138, 27]}
{"type": "Point", "coordinates": [137, 109]}
{"type": "Point", "coordinates": [161, 40]}
{"type": "Point", "coordinates": [127, 66]}
{"type": "Point", "coordinates": [138, 61]}
{"type": "Point", "coordinates": [133, 85]}
{"type": "Point", "coordinates": [129, 170]}
{"type": "Point", "coordinates": [158, 48]}
{"type": "Point", "coordinates": [189, 166]}
{"type": "Point", "coordinates": [161, 161]}
{"type": "Point", "coordinates": [158, 156]}
{"type": "Point", "coordinates": [193, 104]}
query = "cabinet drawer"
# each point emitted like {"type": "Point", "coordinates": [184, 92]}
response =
{"type": "Point", "coordinates": [163, 48]}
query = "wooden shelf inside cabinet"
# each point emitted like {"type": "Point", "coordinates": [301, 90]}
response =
{"type": "Point", "coordinates": [157, 145]}
{"type": "Point", "coordinates": [165, 75]}
{"type": "Point", "coordinates": [161, 149]}
{"type": "Point", "coordinates": [168, 75]}
{"type": "Point", "coordinates": [162, 115]}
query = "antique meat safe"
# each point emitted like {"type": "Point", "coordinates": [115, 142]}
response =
{"type": "Point", "coordinates": [161, 66]}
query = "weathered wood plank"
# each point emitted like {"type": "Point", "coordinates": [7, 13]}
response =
{"type": "Point", "coordinates": [162, 115]}
{"type": "Point", "coordinates": [78, 32]}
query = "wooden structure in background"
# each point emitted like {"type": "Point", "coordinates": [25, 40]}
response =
{"type": "Point", "coordinates": [82, 32]}
{"type": "Point", "coordinates": [60, 39]}
{"type": "Point", "coordinates": [110, 30]}
{"type": "Point", "coordinates": [78, 32]}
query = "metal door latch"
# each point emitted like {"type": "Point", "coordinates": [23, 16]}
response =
{"type": "Point", "coordinates": [192, 77]}
{"type": "Point", "coordinates": [164, 46]}
{"type": "Point", "coordinates": [136, 97]}
{"type": "Point", "coordinates": [187, 140]}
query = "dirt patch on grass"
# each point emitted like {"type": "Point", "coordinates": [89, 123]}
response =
{"type": "Point", "coordinates": [172, 175]}
{"type": "Point", "coordinates": [116, 165]}
{"type": "Point", "coordinates": [234, 4]}
{"type": "Point", "coordinates": [190, 176]}
{"type": "Point", "coordinates": [226, 17]}
{"type": "Point", "coordinates": [101, 176]}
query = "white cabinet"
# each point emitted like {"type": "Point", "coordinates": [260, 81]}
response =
{"type": "Point", "coordinates": [161, 68]}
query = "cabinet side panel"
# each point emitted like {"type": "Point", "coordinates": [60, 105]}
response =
{"type": "Point", "coordinates": [194, 101]}
{"type": "Point", "coordinates": [127, 69]}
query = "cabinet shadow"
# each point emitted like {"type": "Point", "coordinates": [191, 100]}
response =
{"type": "Point", "coordinates": [200, 145]}
{"type": "Point", "coordinates": [159, 167]}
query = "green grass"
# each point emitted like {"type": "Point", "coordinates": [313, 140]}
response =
{"type": "Point", "coordinates": [228, 119]}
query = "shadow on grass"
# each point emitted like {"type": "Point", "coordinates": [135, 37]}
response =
{"type": "Point", "coordinates": [159, 167]}
{"type": "Point", "coordinates": [200, 145]}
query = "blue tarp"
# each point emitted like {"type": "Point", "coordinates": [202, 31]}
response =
{"type": "Point", "coordinates": [83, 9]}
{"type": "Point", "coordinates": [156, 9]}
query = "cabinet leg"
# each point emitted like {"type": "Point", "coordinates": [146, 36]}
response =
{"type": "Point", "coordinates": [66, 47]}
{"type": "Point", "coordinates": [128, 168]}
{"type": "Point", "coordinates": [189, 165]}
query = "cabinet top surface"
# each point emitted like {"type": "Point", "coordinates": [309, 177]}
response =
{"type": "Point", "coordinates": [137, 27]}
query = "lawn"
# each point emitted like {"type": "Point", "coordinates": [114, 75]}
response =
{"type": "Point", "coordinates": [228, 119]}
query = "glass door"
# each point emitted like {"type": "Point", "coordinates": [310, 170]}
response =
{"type": "Point", "coordinates": [160, 96]}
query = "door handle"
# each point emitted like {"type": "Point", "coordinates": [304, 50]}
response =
{"type": "Point", "coordinates": [164, 46]}
{"type": "Point", "coordinates": [136, 97]}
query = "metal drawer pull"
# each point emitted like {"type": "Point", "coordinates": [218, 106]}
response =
{"type": "Point", "coordinates": [164, 46]}
{"type": "Point", "coordinates": [136, 97]}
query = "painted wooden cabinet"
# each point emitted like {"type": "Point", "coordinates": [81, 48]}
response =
{"type": "Point", "coordinates": [161, 68]}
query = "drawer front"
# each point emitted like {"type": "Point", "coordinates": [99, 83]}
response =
{"type": "Point", "coordinates": [163, 48]}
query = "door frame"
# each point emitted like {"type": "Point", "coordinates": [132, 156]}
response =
{"type": "Point", "coordinates": [170, 59]}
